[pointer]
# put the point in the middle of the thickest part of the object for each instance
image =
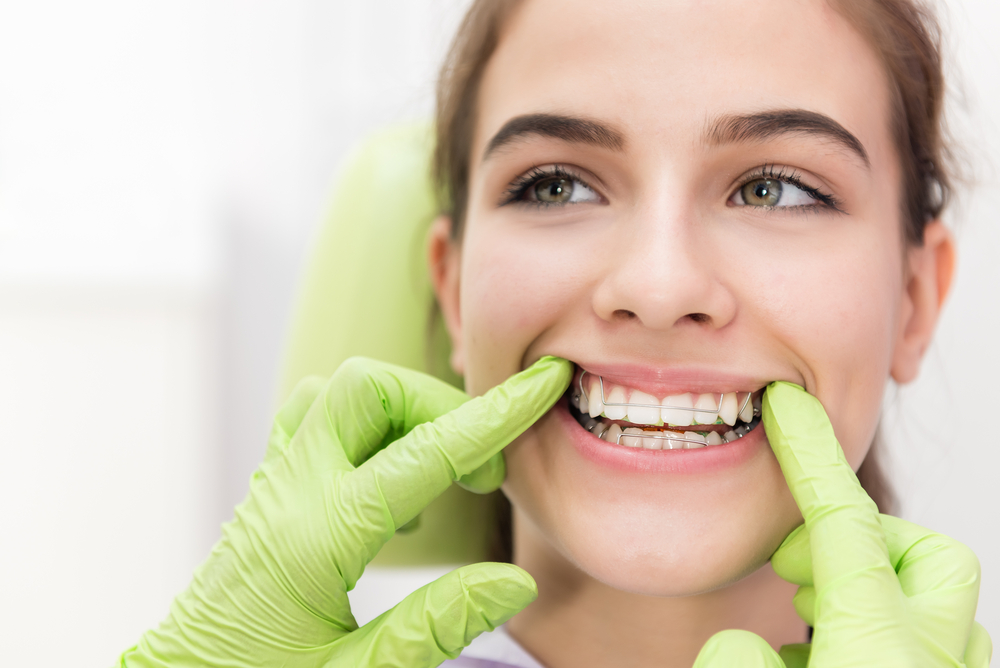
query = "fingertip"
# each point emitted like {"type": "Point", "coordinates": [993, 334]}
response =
{"type": "Point", "coordinates": [785, 385]}
{"type": "Point", "coordinates": [786, 405]}
{"type": "Point", "coordinates": [498, 592]}
{"type": "Point", "coordinates": [487, 478]}
{"type": "Point", "coordinates": [795, 656]}
{"type": "Point", "coordinates": [979, 651]}
{"type": "Point", "coordinates": [551, 361]}
{"type": "Point", "coordinates": [781, 392]}
{"type": "Point", "coordinates": [792, 561]}
{"type": "Point", "coordinates": [805, 604]}
{"type": "Point", "coordinates": [507, 584]}
{"type": "Point", "coordinates": [560, 369]}
{"type": "Point", "coordinates": [735, 647]}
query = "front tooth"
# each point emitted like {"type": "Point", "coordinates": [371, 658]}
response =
{"type": "Point", "coordinates": [677, 414]}
{"type": "Point", "coordinates": [672, 444]}
{"type": "Point", "coordinates": [747, 413]}
{"type": "Point", "coordinates": [698, 440]}
{"type": "Point", "coordinates": [708, 402]}
{"type": "Point", "coordinates": [640, 414]}
{"type": "Point", "coordinates": [594, 404]}
{"type": "Point", "coordinates": [612, 434]}
{"type": "Point", "coordinates": [731, 436]}
{"type": "Point", "coordinates": [714, 438]}
{"type": "Point", "coordinates": [730, 407]}
{"type": "Point", "coordinates": [652, 443]}
{"type": "Point", "coordinates": [632, 441]}
{"type": "Point", "coordinates": [584, 406]}
{"type": "Point", "coordinates": [616, 396]}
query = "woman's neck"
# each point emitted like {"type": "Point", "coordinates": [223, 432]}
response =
{"type": "Point", "coordinates": [580, 622]}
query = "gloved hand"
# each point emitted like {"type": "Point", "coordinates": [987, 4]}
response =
{"type": "Point", "coordinates": [348, 463]}
{"type": "Point", "coordinates": [878, 591]}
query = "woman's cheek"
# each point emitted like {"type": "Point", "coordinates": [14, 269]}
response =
{"type": "Point", "coordinates": [531, 275]}
{"type": "Point", "coordinates": [513, 289]}
{"type": "Point", "coordinates": [843, 341]}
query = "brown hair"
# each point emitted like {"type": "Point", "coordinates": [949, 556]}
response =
{"type": "Point", "coordinates": [906, 37]}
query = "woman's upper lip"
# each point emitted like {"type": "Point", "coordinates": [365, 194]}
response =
{"type": "Point", "coordinates": [668, 380]}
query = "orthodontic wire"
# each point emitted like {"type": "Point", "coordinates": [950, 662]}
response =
{"type": "Point", "coordinates": [618, 441]}
{"type": "Point", "coordinates": [653, 436]}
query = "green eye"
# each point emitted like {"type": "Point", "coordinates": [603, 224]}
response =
{"type": "Point", "coordinates": [762, 192]}
{"type": "Point", "coordinates": [554, 190]}
{"type": "Point", "coordinates": [550, 187]}
{"type": "Point", "coordinates": [779, 191]}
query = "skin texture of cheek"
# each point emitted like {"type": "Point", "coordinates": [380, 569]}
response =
{"type": "Point", "coordinates": [515, 289]}
{"type": "Point", "coordinates": [838, 315]}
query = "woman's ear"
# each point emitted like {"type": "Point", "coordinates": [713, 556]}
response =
{"type": "Point", "coordinates": [444, 261]}
{"type": "Point", "coordinates": [930, 269]}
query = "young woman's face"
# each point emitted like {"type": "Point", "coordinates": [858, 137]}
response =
{"type": "Point", "coordinates": [683, 198]}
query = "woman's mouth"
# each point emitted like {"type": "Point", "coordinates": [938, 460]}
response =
{"type": "Point", "coordinates": [680, 421]}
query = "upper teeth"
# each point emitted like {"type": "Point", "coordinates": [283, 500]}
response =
{"type": "Point", "coordinates": [617, 402]}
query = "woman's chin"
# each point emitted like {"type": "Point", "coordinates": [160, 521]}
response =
{"type": "Point", "coordinates": [667, 563]}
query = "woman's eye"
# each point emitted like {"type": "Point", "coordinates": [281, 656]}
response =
{"type": "Point", "coordinates": [772, 193]}
{"type": "Point", "coordinates": [560, 190]}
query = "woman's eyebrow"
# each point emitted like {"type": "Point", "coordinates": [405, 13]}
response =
{"type": "Point", "coordinates": [766, 125]}
{"type": "Point", "coordinates": [565, 128]}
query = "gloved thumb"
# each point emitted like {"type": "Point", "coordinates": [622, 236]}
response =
{"type": "Point", "coordinates": [737, 648]}
{"type": "Point", "coordinates": [438, 621]}
{"type": "Point", "coordinates": [979, 651]}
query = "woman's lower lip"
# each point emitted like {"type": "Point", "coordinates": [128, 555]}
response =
{"type": "Point", "coordinates": [640, 460]}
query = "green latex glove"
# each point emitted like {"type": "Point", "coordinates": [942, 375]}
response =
{"type": "Point", "coordinates": [348, 463]}
{"type": "Point", "coordinates": [877, 590]}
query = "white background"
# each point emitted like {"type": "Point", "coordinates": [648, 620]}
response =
{"type": "Point", "coordinates": [162, 166]}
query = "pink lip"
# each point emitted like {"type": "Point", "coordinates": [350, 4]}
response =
{"type": "Point", "coordinates": [638, 460]}
{"type": "Point", "coordinates": [664, 382]}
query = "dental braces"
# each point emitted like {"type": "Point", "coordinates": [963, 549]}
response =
{"type": "Point", "coordinates": [655, 436]}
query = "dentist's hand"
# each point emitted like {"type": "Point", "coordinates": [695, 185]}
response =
{"type": "Point", "coordinates": [349, 462]}
{"type": "Point", "coordinates": [878, 591]}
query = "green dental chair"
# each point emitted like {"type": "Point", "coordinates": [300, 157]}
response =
{"type": "Point", "coordinates": [366, 291]}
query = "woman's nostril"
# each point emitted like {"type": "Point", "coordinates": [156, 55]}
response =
{"type": "Point", "coordinates": [699, 317]}
{"type": "Point", "coordinates": [624, 314]}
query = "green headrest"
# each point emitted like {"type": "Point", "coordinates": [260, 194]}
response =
{"type": "Point", "coordinates": [366, 291]}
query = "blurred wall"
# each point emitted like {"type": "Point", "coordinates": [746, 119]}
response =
{"type": "Point", "coordinates": [162, 166]}
{"type": "Point", "coordinates": [945, 451]}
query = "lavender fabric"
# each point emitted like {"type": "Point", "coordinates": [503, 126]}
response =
{"type": "Point", "coordinates": [494, 650]}
{"type": "Point", "coordinates": [469, 662]}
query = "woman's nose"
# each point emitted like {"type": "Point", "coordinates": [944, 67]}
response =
{"type": "Point", "coordinates": [667, 271]}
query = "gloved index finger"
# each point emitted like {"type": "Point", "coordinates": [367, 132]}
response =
{"type": "Point", "coordinates": [847, 541]}
{"type": "Point", "coordinates": [370, 404]}
{"type": "Point", "coordinates": [412, 471]}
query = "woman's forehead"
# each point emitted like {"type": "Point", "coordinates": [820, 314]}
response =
{"type": "Point", "coordinates": [663, 73]}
